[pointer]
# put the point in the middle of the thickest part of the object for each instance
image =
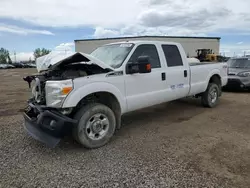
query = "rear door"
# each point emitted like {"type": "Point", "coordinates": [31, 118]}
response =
{"type": "Point", "coordinates": [177, 72]}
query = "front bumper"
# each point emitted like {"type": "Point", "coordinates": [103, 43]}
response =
{"type": "Point", "coordinates": [46, 125]}
{"type": "Point", "coordinates": [238, 82]}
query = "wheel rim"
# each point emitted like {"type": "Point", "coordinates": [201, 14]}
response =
{"type": "Point", "coordinates": [213, 95]}
{"type": "Point", "coordinates": [97, 126]}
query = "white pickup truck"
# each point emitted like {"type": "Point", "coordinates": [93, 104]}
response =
{"type": "Point", "coordinates": [86, 94]}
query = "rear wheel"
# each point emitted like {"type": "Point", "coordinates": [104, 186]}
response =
{"type": "Point", "coordinates": [96, 125]}
{"type": "Point", "coordinates": [210, 97]}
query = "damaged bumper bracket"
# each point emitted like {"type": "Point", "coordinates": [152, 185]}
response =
{"type": "Point", "coordinates": [47, 126]}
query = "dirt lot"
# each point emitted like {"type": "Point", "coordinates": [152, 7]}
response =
{"type": "Point", "coordinates": [178, 144]}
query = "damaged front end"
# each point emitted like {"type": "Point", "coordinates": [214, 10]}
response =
{"type": "Point", "coordinates": [53, 73]}
{"type": "Point", "coordinates": [45, 119]}
{"type": "Point", "coordinates": [46, 125]}
{"type": "Point", "coordinates": [72, 66]}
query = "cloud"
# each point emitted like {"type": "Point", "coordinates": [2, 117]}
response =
{"type": "Point", "coordinates": [231, 49]}
{"type": "Point", "coordinates": [111, 17]}
{"type": "Point", "coordinates": [246, 51]}
{"type": "Point", "coordinates": [101, 32]}
{"type": "Point", "coordinates": [140, 30]}
{"type": "Point", "coordinates": [239, 43]}
{"type": "Point", "coordinates": [22, 56]}
{"type": "Point", "coordinates": [184, 17]}
{"type": "Point", "coordinates": [65, 47]}
{"type": "Point", "coordinates": [187, 18]}
{"type": "Point", "coordinates": [159, 2]}
{"type": "Point", "coordinates": [25, 56]}
{"type": "Point", "coordinates": [63, 13]}
{"type": "Point", "coordinates": [22, 31]}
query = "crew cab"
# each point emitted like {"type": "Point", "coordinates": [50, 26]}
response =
{"type": "Point", "coordinates": [86, 94]}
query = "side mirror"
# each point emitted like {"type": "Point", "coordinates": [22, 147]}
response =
{"type": "Point", "coordinates": [141, 66]}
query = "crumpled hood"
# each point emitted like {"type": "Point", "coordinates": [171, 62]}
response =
{"type": "Point", "coordinates": [55, 59]}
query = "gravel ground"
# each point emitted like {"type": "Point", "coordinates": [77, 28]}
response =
{"type": "Point", "coordinates": [178, 144]}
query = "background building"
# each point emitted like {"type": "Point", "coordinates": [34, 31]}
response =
{"type": "Point", "coordinates": [190, 44]}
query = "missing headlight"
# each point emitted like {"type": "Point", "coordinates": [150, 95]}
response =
{"type": "Point", "coordinates": [66, 111]}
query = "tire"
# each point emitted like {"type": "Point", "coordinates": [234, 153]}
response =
{"type": "Point", "coordinates": [207, 100]}
{"type": "Point", "coordinates": [96, 125]}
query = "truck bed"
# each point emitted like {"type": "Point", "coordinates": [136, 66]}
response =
{"type": "Point", "coordinates": [201, 72]}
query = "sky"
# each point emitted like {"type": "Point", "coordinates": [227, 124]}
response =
{"type": "Point", "coordinates": [55, 24]}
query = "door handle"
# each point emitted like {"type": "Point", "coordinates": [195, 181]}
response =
{"type": "Point", "coordinates": [185, 73]}
{"type": "Point", "coordinates": [163, 76]}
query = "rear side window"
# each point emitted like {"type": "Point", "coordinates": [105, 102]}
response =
{"type": "Point", "coordinates": [148, 50]}
{"type": "Point", "coordinates": [172, 55]}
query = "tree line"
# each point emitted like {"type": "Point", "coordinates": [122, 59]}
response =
{"type": "Point", "coordinates": [5, 55]}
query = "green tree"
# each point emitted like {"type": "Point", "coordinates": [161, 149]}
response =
{"type": "Point", "coordinates": [4, 56]}
{"type": "Point", "coordinates": [41, 52]}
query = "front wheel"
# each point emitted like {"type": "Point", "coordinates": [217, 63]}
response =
{"type": "Point", "coordinates": [210, 97]}
{"type": "Point", "coordinates": [96, 125]}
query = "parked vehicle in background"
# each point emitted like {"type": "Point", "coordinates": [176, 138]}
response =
{"type": "Point", "coordinates": [24, 65]}
{"type": "Point", "coordinates": [6, 66]}
{"type": "Point", "coordinates": [88, 94]}
{"type": "Point", "coordinates": [238, 73]}
{"type": "Point", "coordinates": [31, 65]}
{"type": "Point", "coordinates": [10, 66]}
{"type": "Point", "coordinates": [17, 65]}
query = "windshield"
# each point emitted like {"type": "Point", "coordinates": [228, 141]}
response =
{"type": "Point", "coordinates": [239, 63]}
{"type": "Point", "coordinates": [113, 54]}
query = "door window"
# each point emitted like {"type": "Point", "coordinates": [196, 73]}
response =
{"type": "Point", "coordinates": [172, 55]}
{"type": "Point", "coordinates": [147, 50]}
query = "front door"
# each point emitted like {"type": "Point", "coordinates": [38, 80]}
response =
{"type": "Point", "coordinates": [143, 90]}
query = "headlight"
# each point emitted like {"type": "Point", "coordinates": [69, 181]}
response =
{"type": "Point", "coordinates": [243, 74]}
{"type": "Point", "coordinates": [57, 91]}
